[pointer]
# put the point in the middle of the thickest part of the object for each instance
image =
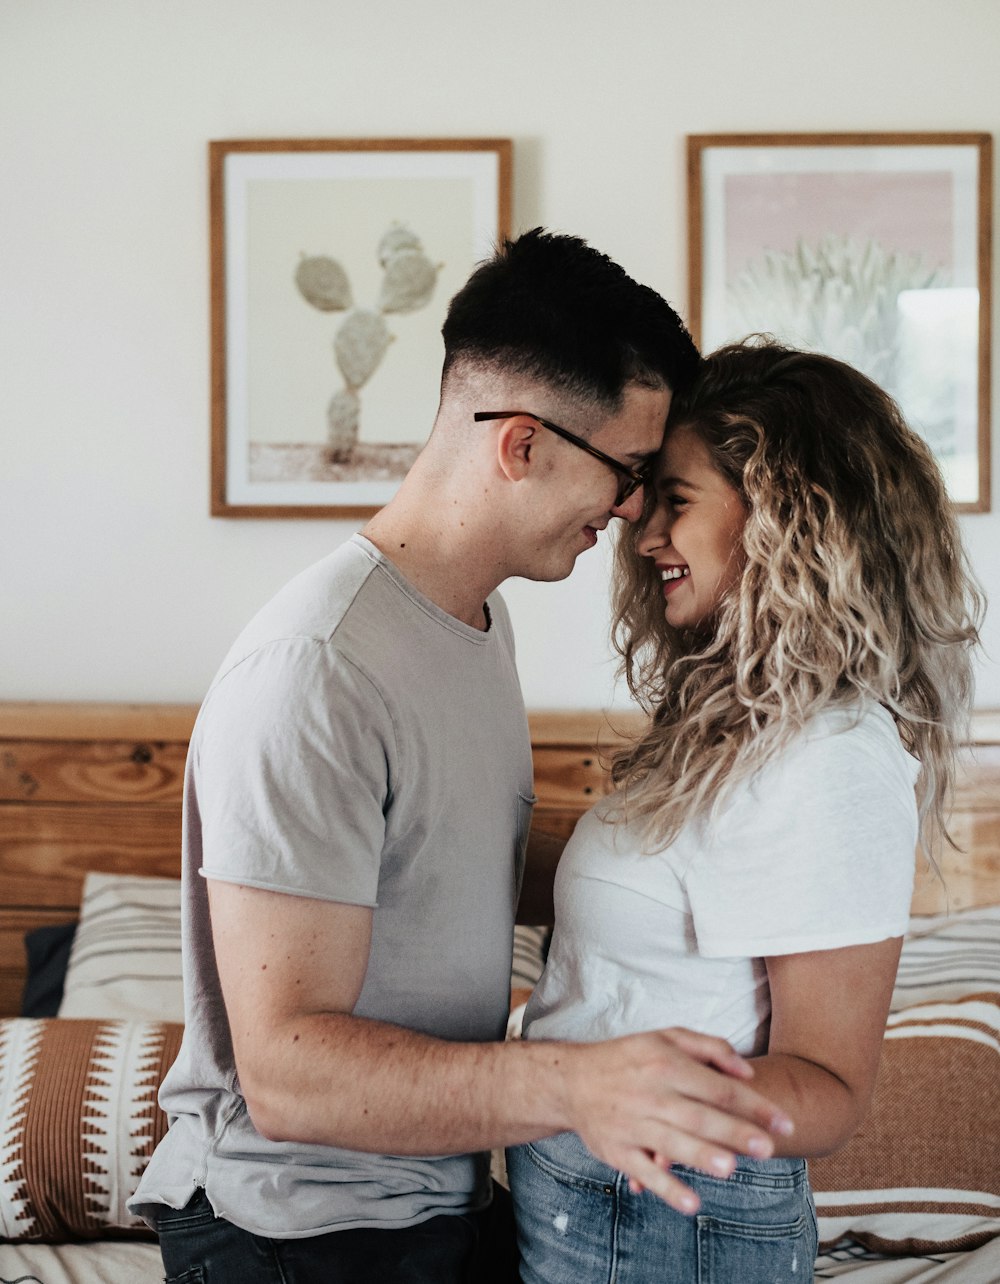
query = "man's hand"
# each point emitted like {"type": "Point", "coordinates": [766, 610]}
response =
{"type": "Point", "coordinates": [647, 1101]}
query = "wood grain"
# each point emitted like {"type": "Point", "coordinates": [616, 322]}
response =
{"type": "Point", "coordinates": [126, 771]}
{"type": "Point", "coordinates": [65, 720]}
{"type": "Point", "coordinates": [46, 849]}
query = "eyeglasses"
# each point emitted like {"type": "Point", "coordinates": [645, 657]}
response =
{"type": "Point", "coordinates": [629, 479]}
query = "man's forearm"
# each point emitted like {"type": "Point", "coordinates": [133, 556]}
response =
{"type": "Point", "coordinates": [342, 1080]}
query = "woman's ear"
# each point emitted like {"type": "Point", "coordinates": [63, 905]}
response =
{"type": "Point", "coordinates": [515, 446]}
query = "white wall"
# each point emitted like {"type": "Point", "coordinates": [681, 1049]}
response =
{"type": "Point", "coordinates": [115, 582]}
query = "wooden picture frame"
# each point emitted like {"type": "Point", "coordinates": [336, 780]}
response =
{"type": "Point", "coordinates": [874, 247]}
{"type": "Point", "coordinates": [332, 265]}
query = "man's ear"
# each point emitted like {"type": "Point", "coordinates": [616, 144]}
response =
{"type": "Point", "coordinates": [515, 446]}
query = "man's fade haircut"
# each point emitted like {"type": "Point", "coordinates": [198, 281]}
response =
{"type": "Point", "coordinates": [551, 307]}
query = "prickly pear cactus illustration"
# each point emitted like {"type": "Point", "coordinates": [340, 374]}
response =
{"type": "Point", "coordinates": [360, 345]}
{"type": "Point", "coordinates": [323, 283]}
{"type": "Point", "coordinates": [361, 340]}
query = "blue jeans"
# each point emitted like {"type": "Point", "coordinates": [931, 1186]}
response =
{"type": "Point", "coordinates": [199, 1248]}
{"type": "Point", "coordinates": [578, 1222]}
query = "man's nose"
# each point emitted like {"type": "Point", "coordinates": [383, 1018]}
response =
{"type": "Point", "coordinates": [631, 509]}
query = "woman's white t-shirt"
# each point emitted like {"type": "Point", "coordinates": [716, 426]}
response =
{"type": "Point", "coordinates": [815, 852]}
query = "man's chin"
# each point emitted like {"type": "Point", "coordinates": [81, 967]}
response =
{"type": "Point", "coordinates": [559, 564]}
{"type": "Point", "coordinates": [550, 574]}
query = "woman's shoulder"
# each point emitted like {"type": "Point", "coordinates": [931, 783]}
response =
{"type": "Point", "coordinates": [856, 730]}
{"type": "Point", "coordinates": [867, 717]}
{"type": "Point", "coordinates": [846, 754]}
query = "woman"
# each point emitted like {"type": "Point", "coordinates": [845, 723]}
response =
{"type": "Point", "coordinates": [796, 613]}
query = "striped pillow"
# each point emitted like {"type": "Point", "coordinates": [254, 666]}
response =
{"type": "Point", "coordinates": [530, 947]}
{"type": "Point", "coordinates": [948, 955]}
{"type": "Point", "coordinates": [125, 963]}
{"type": "Point", "coordinates": [922, 1173]}
{"type": "Point", "coordinates": [78, 1123]}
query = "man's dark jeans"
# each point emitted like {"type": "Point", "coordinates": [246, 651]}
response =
{"type": "Point", "coordinates": [477, 1248]}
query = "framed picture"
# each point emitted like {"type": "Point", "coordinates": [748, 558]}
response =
{"type": "Point", "coordinates": [874, 248]}
{"type": "Point", "coordinates": [333, 262]}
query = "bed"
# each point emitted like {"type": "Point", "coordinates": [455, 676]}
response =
{"type": "Point", "coordinates": [89, 863]}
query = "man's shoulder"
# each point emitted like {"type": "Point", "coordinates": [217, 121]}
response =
{"type": "Point", "coordinates": [314, 602]}
{"type": "Point", "coordinates": [297, 628]}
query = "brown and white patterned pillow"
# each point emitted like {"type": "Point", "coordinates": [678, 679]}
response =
{"type": "Point", "coordinates": [922, 1175]}
{"type": "Point", "coordinates": [78, 1123]}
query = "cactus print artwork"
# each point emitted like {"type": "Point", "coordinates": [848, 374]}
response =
{"type": "Point", "coordinates": [361, 340]}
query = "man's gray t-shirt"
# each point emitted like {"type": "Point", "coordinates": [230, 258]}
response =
{"type": "Point", "coordinates": [358, 745]}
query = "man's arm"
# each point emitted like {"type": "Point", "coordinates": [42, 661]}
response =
{"type": "Point", "coordinates": [292, 969]}
{"type": "Point", "coordinates": [535, 907]}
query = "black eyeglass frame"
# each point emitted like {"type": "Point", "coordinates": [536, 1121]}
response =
{"type": "Point", "coordinates": [630, 478]}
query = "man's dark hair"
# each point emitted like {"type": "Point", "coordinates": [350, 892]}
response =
{"type": "Point", "coordinates": [551, 307]}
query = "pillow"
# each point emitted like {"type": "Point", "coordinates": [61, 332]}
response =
{"type": "Point", "coordinates": [947, 955]}
{"type": "Point", "coordinates": [531, 945]}
{"type": "Point", "coordinates": [79, 1123]}
{"type": "Point", "coordinates": [48, 950]}
{"type": "Point", "coordinates": [126, 957]}
{"type": "Point", "coordinates": [921, 1174]}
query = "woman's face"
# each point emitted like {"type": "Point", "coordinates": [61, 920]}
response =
{"type": "Point", "coordinates": [695, 533]}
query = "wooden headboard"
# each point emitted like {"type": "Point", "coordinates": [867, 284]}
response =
{"type": "Point", "coordinates": [98, 787]}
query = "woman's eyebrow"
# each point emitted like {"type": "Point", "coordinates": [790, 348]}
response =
{"type": "Point", "coordinates": [679, 481]}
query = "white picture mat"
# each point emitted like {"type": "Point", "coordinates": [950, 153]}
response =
{"type": "Point", "coordinates": [280, 368]}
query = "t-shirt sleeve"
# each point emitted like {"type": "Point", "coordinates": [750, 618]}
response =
{"type": "Point", "coordinates": [290, 776]}
{"type": "Point", "coordinates": [817, 852]}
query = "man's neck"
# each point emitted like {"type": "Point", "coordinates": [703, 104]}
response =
{"type": "Point", "coordinates": [444, 562]}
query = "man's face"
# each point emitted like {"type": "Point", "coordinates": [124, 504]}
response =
{"type": "Point", "coordinates": [576, 498]}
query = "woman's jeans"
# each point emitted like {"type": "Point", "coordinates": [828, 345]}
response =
{"type": "Point", "coordinates": [199, 1248]}
{"type": "Point", "coordinates": [578, 1222]}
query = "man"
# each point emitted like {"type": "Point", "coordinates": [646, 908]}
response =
{"type": "Point", "coordinates": [358, 798]}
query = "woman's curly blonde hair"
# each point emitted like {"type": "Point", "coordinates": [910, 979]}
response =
{"type": "Point", "coordinates": [856, 587]}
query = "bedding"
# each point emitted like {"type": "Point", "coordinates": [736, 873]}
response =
{"type": "Point", "coordinates": [922, 1174]}
{"type": "Point", "coordinates": [133, 1263]}
{"type": "Point", "coordinates": [980, 1266]}
{"type": "Point", "coordinates": [102, 1263]}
